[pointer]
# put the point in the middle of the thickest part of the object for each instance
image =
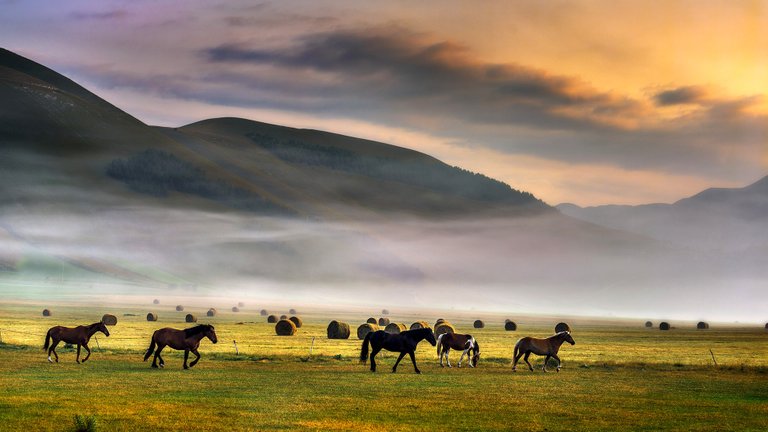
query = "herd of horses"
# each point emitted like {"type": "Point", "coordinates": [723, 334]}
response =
{"type": "Point", "coordinates": [404, 343]}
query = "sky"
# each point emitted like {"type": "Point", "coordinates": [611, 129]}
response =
{"type": "Point", "coordinates": [590, 102]}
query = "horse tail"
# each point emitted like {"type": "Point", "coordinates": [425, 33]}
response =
{"type": "Point", "coordinates": [364, 348]}
{"type": "Point", "coordinates": [517, 349]}
{"type": "Point", "coordinates": [151, 348]}
{"type": "Point", "coordinates": [47, 340]}
{"type": "Point", "coordinates": [439, 344]}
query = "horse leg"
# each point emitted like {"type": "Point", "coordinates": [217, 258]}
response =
{"type": "Point", "coordinates": [546, 360]}
{"type": "Point", "coordinates": [77, 359]}
{"type": "Point", "coordinates": [373, 362]}
{"type": "Point", "coordinates": [447, 356]}
{"type": "Point", "coordinates": [527, 354]}
{"type": "Point", "coordinates": [89, 352]}
{"type": "Point", "coordinates": [514, 363]}
{"type": "Point", "coordinates": [186, 356]}
{"type": "Point", "coordinates": [400, 357]}
{"type": "Point", "coordinates": [157, 356]}
{"type": "Point", "coordinates": [465, 353]}
{"type": "Point", "coordinates": [413, 360]}
{"type": "Point", "coordinates": [52, 349]}
{"type": "Point", "coordinates": [194, 362]}
{"type": "Point", "coordinates": [554, 356]}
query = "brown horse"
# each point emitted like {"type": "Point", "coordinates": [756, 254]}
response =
{"type": "Point", "coordinates": [404, 342]}
{"type": "Point", "coordinates": [79, 335]}
{"type": "Point", "coordinates": [187, 340]}
{"type": "Point", "coordinates": [547, 347]}
{"type": "Point", "coordinates": [463, 342]}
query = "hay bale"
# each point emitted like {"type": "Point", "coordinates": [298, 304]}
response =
{"type": "Point", "coordinates": [702, 325]}
{"type": "Point", "coordinates": [264, 312]}
{"type": "Point", "coordinates": [561, 326]}
{"type": "Point", "coordinates": [766, 326]}
{"type": "Point", "coordinates": [272, 319]}
{"type": "Point", "coordinates": [395, 328]}
{"type": "Point", "coordinates": [47, 312]}
{"type": "Point", "coordinates": [366, 328]}
{"type": "Point", "coordinates": [151, 316]}
{"type": "Point", "coordinates": [383, 322]}
{"type": "Point", "coordinates": [109, 319]}
{"type": "Point", "coordinates": [190, 318]}
{"type": "Point", "coordinates": [292, 311]}
{"type": "Point", "coordinates": [155, 301]}
{"type": "Point", "coordinates": [297, 321]}
{"type": "Point", "coordinates": [285, 327]}
{"type": "Point", "coordinates": [283, 316]}
{"type": "Point", "coordinates": [338, 330]}
{"type": "Point", "coordinates": [179, 308]}
{"type": "Point", "coordinates": [478, 324]}
{"type": "Point", "coordinates": [419, 325]}
{"type": "Point", "coordinates": [648, 324]}
{"type": "Point", "coordinates": [211, 312]}
{"type": "Point", "coordinates": [439, 321]}
{"type": "Point", "coordinates": [235, 309]}
{"type": "Point", "coordinates": [385, 311]}
{"type": "Point", "coordinates": [444, 327]}
{"type": "Point", "coordinates": [240, 304]}
{"type": "Point", "coordinates": [664, 326]}
{"type": "Point", "coordinates": [372, 320]}
{"type": "Point", "coordinates": [510, 326]}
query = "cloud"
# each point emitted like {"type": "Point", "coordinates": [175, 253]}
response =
{"type": "Point", "coordinates": [681, 95]}
{"type": "Point", "coordinates": [106, 15]}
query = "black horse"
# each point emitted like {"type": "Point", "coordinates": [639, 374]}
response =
{"type": "Point", "coordinates": [403, 342]}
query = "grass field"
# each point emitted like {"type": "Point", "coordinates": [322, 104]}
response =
{"type": "Point", "coordinates": [619, 376]}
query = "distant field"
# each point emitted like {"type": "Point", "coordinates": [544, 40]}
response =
{"type": "Point", "coordinates": [618, 376]}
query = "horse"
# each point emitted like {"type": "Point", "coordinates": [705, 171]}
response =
{"type": "Point", "coordinates": [547, 347]}
{"type": "Point", "coordinates": [187, 340]}
{"type": "Point", "coordinates": [404, 342]}
{"type": "Point", "coordinates": [79, 335]}
{"type": "Point", "coordinates": [463, 342]}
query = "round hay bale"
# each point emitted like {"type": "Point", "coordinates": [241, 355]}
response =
{"type": "Point", "coordinates": [385, 311]}
{"type": "Point", "coordinates": [235, 309]}
{"type": "Point", "coordinates": [439, 321]}
{"type": "Point", "coordinates": [297, 321]}
{"type": "Point", "coordinates": [272, 319]}
{"type": "Point", "coordinates": [419, 325]}
{"type": "Point", "coordinates": [338, 330]}
{"type": "Point", "coordinates": [109, 319]}
{"type": "Point", "coordinates": [264, 312]}
{"type": "Point", "coordinates": [366, 328]}
{"type": "Point", "coordinates": [444, 327]}
{"type": "Point", "coordinates": [283, 316]}
{"type": "Point", "coordinates": [383, 322]}
{"type": "Point", "coordinates": [155, 301]}
{"type": "Point", "coordinates": [292, 311]}
{"type": "Point", "coordinates": [211, 312]}
{"type": "Point", "coordinates": [179, 308]}
{"type": "Point", "coordinates": [510, 326]}
{"type": "Point", "coordinates": [702, 325]}
{"type": "Point", "coordinates": [372, 320]}
{"type": "Point", "coordinates": [478, 324]}
{"type": "Point", "coordinates": [190, 318]}
{"type": "Point", "coordinates": [664, 326]}
{"type": "Point", "coordinates": [648, 324]}
{"type": "Point", "coordinates": [395, 328]}
{"type": "Point", "coordinates": [240, 304]}
{"type": "Point", "coordinates": [151, 316]}
{"type": "Point", "coordinates": [47, 312]}
{"type": "Point", "coordinates": [766, 326]}
{"type": "Point", "coordinates": [285, 327]}
{"type": "Point", "coordinates": [560, 327]}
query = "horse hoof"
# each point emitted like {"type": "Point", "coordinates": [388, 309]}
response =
{"type": "Point", "coordinates": [418, 372]}
{"type": "Point", "coordinates": [154, 366]}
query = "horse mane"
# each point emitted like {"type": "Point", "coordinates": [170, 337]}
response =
{"type": "Point", "coordinates": [196, 330]}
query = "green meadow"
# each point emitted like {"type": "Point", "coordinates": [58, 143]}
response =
{"type": "Point", "coordinates": [618, 376]}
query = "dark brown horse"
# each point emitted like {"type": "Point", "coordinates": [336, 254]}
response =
{"type": "Point", "coordinates": [547, 347]}
{"type": "Point", "coordinates": [79, 335]}
{"type": "Point", "coordinates": [404, 342]}
{"type": "Point", "coordinates": [187, 340]}
{"type": "Point", "coordinates": [463, 342]}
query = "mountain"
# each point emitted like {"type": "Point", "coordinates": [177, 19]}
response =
{"type": "Point", "coordinates": [729, 219]}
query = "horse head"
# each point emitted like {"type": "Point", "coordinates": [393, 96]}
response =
{"type": "Point", "coordinates": [210, 333]}
{"type": "Point", "coordinates": [431, 337]}
{"type": "Point", "coordinates": [103, 328]}
{"type": "Point", "coordinates": [476, 354]}
{"type": "Point", "coordinates": [567, 337]}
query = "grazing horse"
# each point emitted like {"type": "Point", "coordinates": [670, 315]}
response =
{"type": "Point", "coordinates": [187, 340]}
{"type": "Point", "coordinates": [79, 335]}
{"type": "Point", "coordinates": [547, 347]}
{"type": "Point", "coordinates": [404, 342]}
{"type": "Point", "coordinates": [463, 342]}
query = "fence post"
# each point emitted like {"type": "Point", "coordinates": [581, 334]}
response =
{"type": "Point", "coordinates": [713, 357]}
{"type": "Point", "coordinates": [97, 343]}
{"type": "Point", "coordinates": [237, 352]}
{"type": "Point", "coordinates": [312, 345]}
{"type": "Point", "coordinates": [1, 336]}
